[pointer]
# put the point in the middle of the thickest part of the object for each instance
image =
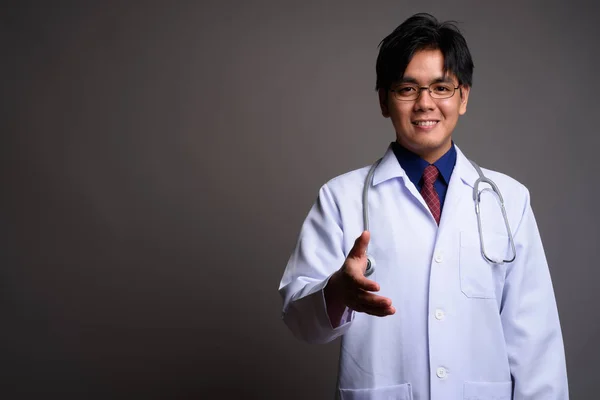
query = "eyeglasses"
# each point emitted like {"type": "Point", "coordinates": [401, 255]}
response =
{"type": "Point", "coordinates": [409, 91]}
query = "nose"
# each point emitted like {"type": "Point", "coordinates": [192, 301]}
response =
{"type": "Point", "coordinates": [424, 101]}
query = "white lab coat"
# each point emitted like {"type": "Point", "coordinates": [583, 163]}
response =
{"type": "Point", "coordinates": [463, 328]}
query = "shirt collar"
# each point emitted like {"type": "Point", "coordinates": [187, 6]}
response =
{"type": "Point", "coordinates": [389, 168]}
{"type": "Point", "coordinates": [414, 165]}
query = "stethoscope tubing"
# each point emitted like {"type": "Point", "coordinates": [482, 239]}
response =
{"type": "Point", "coordinates": [476, 198]}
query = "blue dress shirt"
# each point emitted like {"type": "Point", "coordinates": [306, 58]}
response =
{"type": "Point", "coordinates": [414, 166]}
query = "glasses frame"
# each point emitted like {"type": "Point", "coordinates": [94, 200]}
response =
{"type": "Point", "coordinates": [420, 89]}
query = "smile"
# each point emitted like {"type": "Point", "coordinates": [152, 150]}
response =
{"type": "Point", "coordinates": [424, 123]}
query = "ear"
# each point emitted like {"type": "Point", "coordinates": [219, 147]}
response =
{"type": "Point", "coordinates": [464, 98]}
{"type": "Point", "coordinates": [383, 102]}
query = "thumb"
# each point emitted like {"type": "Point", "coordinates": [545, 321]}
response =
{"type": "Point", "coordinates": [361, 243]}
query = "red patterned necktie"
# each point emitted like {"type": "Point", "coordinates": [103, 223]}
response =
{"type": "Point", "coordinates": [428, 192]}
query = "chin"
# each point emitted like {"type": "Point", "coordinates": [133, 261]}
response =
{"type": "Point", "coordinates": [424, 146]}
{"type": "Point", "coordinates": [428, 143]}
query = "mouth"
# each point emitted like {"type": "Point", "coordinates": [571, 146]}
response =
{"type": "Point", "coordinates": [430, 123]}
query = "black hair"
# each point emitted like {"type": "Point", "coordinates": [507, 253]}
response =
{"type": "Point", "coordinates": [421, 32]}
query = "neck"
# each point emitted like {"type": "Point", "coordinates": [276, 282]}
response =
{"type": "Point", "coordinates": [428, 154]}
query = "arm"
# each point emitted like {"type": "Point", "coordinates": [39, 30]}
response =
{"type": "Point", "coordinates": [530, 319]}
{"type": "Point", "coordinates": [319, 298]}
{"type": "Point", "coordinates": [317, 256]}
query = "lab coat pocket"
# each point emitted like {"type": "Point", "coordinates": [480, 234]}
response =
{"type": "Point", "coordinates": [477, 275]}
{"type": "Point", "coordinates": [488, 391]}
{"type": "Point", "coordinates": [396, 392]}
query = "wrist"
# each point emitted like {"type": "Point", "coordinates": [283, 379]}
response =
{"type": "Point", "coordinates": [333, 301]}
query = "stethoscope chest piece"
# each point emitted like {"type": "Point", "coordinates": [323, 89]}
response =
{"type": "Point", "coordinates": [370, 266]}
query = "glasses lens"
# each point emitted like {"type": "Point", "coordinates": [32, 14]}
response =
{"type": "Point", "coordinates": [441, 90]}
{"type": "Point", "coordinates": [406, 92]}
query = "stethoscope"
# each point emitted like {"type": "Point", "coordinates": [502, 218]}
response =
{"type": "Point", "coordinates": [476, 198]}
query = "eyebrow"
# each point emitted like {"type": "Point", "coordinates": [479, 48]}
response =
{"type": "Point", "coordinates": [409, 79]}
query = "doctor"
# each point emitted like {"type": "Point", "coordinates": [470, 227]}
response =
{"type": "Point", "coordinates": [435, 319]}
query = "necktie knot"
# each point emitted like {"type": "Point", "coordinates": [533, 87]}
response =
{"type": "Point", "coordinates": [430, 174]}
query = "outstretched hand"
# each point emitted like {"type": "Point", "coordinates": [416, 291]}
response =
{"type": "Point", "coordinates": [348, 287]}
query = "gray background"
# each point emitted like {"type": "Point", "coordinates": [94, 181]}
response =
{"type": "Point", "coordinates": [158, 161]}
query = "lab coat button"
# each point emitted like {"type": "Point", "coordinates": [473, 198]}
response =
{"type": "Point", "coordinates": [441, 372]}
{"type": "Point", "coordinates": [439, 257]}
{"type": "Point", "coordinates": [439, 314]}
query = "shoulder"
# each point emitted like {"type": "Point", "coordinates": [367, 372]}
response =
{"type": "Point", "coordinates": [347, 182]}
{"type": "Point", "coordinates": [344, 190]}
{"type": "Point", "coordinates": [506, 183]}
{"type": "Point", "coordinates": [514, 194]}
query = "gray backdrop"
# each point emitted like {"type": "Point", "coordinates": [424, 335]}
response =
{"type": "Point", "coordinates": [158, 160]}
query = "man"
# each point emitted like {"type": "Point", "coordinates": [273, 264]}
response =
{"type": "Point", "coordinates": [446, 314]}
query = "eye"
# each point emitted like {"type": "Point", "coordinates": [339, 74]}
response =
{"type": "Point", "coordinates": [406, 90]}
{"type": "Point", "coordinates": [442, 88]}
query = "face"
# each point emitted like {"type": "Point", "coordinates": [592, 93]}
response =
{"type": "Point", "coordinates": [425, 125]}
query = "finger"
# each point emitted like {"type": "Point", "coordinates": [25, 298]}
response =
{"type": "Point", "coordinates": [382, 313]}
{"type": "Point", "coordinates": [365, 284]}
{"type": "Point", "coordinates": [372, 300]}
{"type": "Point", "coordinates": [375, 311]}
{"type": "Point", "coordinates": [361, 243]}
{"type": "Point", "coordinates": [354, 276]}
{"type": "Point", "coordinates": [371, 304]}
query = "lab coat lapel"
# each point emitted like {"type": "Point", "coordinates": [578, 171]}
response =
{"type": "Point", "coordinates": [390, 168]}
{"type": "Point", "coordinates": [459, 188]}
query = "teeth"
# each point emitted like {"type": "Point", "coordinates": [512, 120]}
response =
{"type": "Point", "coordinates": [425, 123]}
